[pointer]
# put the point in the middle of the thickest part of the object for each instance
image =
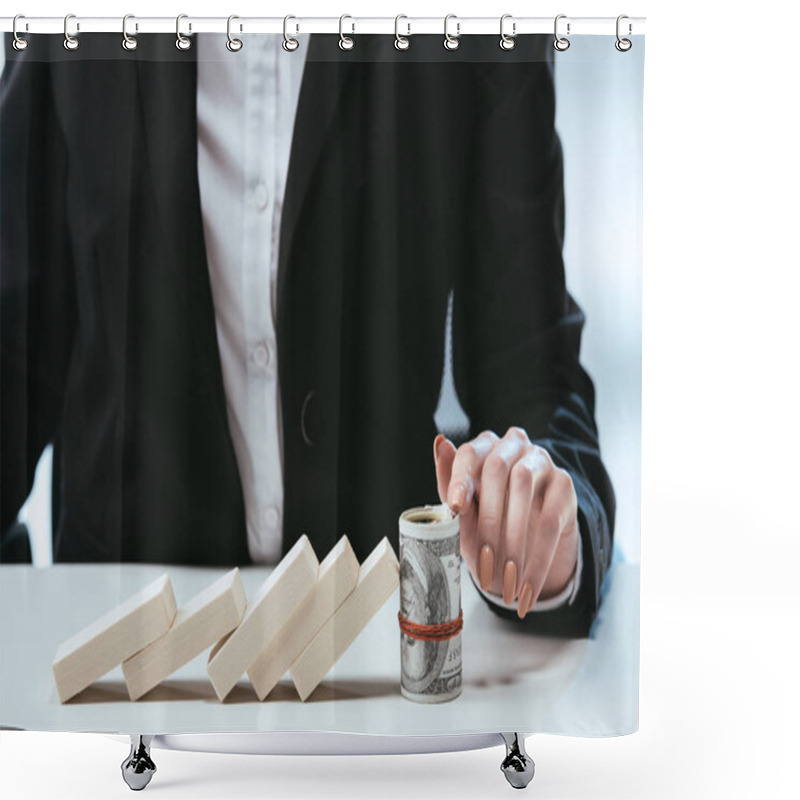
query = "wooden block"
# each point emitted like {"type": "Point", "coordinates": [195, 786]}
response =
{"type": "Point", "coordinates": [338, 575]}
{"type": "Point", "coordinates": [378, 578]}
{"type": "Point", "coordinates": [117, 635]}
{"type": "Point", "coordinates": [206, 618]}
{"type": "Point", "coordinates": [282, 592]}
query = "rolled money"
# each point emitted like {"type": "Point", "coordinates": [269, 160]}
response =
{"type": "Point", "coordinates": [430, 595]}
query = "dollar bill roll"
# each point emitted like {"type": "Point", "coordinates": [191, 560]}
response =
{"type": "Point", "coordinates": [430, 604]}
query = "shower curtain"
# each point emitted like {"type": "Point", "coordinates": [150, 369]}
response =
{"type": "Point", "coordinates": [321, 367]}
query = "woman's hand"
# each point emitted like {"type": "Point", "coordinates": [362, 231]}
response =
{"type": "Point", "coordinates": [519, 523]}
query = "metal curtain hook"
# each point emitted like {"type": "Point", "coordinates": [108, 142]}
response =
{"type": "Point", "coordinates": [19, 43]}
{"type": "Point", "coordinates": [289, 44]}
{"type": "Point", "coordinates": [346, 42]}
{"type": "Point", "coordinates": [401, 42]}
{"type": "Point", "coordinates": [451, 42]}
{"type": "Point", "coordinates": [182, 42]}
{"type": "Point", "coordinates": [234, 45]}
{"type": "Point", "coordinates": [623, 45]}
{"type": "Point", "coordinates": [507, 42]}
{"type": "Point", "coordinates": [70, 42]}
{"type": "Point", "coordinates": [560, 43]}
{"type": "Point", "coordinates": [128, 42]}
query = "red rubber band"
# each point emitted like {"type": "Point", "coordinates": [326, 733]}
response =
{"type": "Point", "coordinates": [431, 633]}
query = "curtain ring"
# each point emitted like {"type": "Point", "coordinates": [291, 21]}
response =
{"type": "Point", "coordinates": [451, 42]}
{"type": "Point", "coordinates": [182, 42]}
{"type": "Point", "coordinates": [289, 44]}
{"type": "Point", "coordinates": [70, 42]}
{"type": "Point", "coordinates": [401, 42]}
{"type": "Point", "coordinates": [19, 43]}
{"type": "Point", "coordinates": [128, 42]}
{"type": "Point", "coordinates": [623, 45]}
{"type": "Point", "coordinates": [507, 42]}
{"type": "Point", "coordinates": [560, 43]}
{"type": "Point", "coordinates": [346, 42]}
{"type": "Point", "coordinates": [234, 45]}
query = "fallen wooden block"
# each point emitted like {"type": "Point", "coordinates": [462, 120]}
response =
{"type": "Point", "coordinates": [204, 620]}
{"type": "Point", "coordinates": [117, 635]}
{"type": "Point", "coordinates": [338, 575]}
{"type": "Point", "coordinates": [378, 578]}
{"type": "Point", "coordinates": [285, 588]}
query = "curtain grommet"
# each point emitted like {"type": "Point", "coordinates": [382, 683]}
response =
{"type": "Point", "coordinates": [561, 43]}
{"type": "Point", "coordinates": [71, 42]}
{"type": "Point", "coordinates": [233, 44]}
{"type": "Point", "coordinates": [128, 42]}
{"type": "Point", "coordinates": [346, 42]}
{"type": "Point", "coordinates": [19, 43]}
{"type": "Point", "coordinates": [290, 44]}
{"type": "Point", "coordinates": [452, 42]}
{"type": "Point", "coordinates": [507, 42]}
{"type": "Point", "coordinates": [182, 42]}
{"type": "Point", "coordinates": [623, 45]}
{"type": "Point", "coordinates": [401, 42]}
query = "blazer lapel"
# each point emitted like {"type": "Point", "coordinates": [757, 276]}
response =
{"type": "Point", "coordinates": [326, 75]}
{"type": "Point", "coordinates": [168, 99]}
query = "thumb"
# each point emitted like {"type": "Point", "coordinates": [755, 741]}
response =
{"type": "Point", "coordinates": [444, 453]}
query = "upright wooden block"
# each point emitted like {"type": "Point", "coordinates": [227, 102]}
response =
{"type": "Point", "coordinates": [204, 620]}
{"type": "Point", "coordinates": [378, 578]}
{"type": "Point", "coordinates": [282, 592]}
{"type": "Point", "coordinates": [117, 635]}
{"type": "Point", "coordinates": [338, 575]}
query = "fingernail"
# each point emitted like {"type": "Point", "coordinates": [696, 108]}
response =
{"type": "Point", "coordinates": [509, 581]}
{"type": "Point", "coordinates": [436, 442]}
{"type": "Point", "coordinates": [525, 597]}
{"type": "Point", "coordinates": [458, 497]}
{"type": "Point", "coordinates": [486, 568]}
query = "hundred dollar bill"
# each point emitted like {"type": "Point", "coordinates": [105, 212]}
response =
{"type": "Point", "coordinates": [430, 595]}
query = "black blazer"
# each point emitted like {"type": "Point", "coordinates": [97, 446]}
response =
{"type": "Point", "coordinates": [412, 175]}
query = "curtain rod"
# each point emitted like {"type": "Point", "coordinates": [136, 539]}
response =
{"type": "Point", "coordinates": [462, 26]}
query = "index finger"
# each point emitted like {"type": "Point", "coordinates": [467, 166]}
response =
{"type": "Point", "coordinates": [468, 463]}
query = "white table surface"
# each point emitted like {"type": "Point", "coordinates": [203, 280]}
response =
{"type": "Point", "coordinates": [512, 680]}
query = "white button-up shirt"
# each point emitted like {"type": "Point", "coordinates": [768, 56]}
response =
{"type": "Point", "coordinates": [246, 108]}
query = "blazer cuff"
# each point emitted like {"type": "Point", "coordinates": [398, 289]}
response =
{"type": "Point", "coordinates": [565, 597]}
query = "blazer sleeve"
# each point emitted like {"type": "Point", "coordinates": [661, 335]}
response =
{"type": "Point", "coordinates": [516, 330]}
{"type": "Point", "coordinates": [37, 305]}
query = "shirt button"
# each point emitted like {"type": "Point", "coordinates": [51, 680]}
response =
{"type": "Point", "coordinates": [260, 196]}
{"type": "Point", "coordinates": [261, 356]}
{"type": "Point", "coordinates": [270, 517]}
